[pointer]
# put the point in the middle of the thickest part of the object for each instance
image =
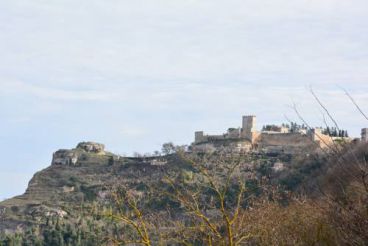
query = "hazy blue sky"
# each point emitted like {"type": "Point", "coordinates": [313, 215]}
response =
{"type": "Point", "coordinates": [135, 74]}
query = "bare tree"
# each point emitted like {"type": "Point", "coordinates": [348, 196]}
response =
{"type": "Point", "coordinates": [344, 187]}
{"type": "Point", "coordinates": [127, 212]}
{"type": "Point", "coordinates": [168, 148]}
{"type": "Point", "coordinates": [215, 219]}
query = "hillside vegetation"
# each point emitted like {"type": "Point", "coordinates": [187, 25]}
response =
{"type": "Point", "coordinates": [196, 199]}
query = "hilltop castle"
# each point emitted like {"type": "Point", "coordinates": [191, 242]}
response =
{"type": "Point", "coordinates": [272, 139]}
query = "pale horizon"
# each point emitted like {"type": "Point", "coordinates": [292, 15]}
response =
{"type": "Point", "coordinates": [134, 75]}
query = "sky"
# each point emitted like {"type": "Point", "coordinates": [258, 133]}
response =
{"type": "Point", "coordinates": [136, 74]}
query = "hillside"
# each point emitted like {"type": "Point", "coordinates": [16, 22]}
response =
{"type": "Point", "coordinates": [80, 183]}
{"type": "Point", "coordinates": [56, 189]}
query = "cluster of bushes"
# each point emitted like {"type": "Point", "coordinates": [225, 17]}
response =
{"type": "Point", "coordinates": [55, 231]}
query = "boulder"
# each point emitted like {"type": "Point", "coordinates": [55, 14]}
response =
{"type": "Point", "coordinates": [91, 147]}
{"type": "Point", "coordinates": [64, 157]}
{"type": "Point", "coordinates": [41, 211]}
{"type": "Point", "coordinates": [278, 166]}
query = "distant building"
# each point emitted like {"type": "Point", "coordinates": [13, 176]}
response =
{"type": "Point", "coordinates": [271, 139]}
{"type": "Point", "coordinates": [365, 135]}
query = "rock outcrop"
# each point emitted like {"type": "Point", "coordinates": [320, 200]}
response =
{"type": "Point", "coordinates": [71, 157]}
{"type": "Point", "coordinates": [84, 174]}
{"type": "Point", "coordinates": [65, 157]}
{"type": "Point", "coordinates": [91, 147]}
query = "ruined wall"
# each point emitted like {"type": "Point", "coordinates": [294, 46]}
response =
{"type": "Point", "coordinates": [216, 137]}
{"type": "Point", "coordinates": [233, 133]}
{"type": "Point", "coordinates": [230, 146]}
{"type": "Point", "coordinates": [201, 138]}
{"type": "Point", "coordinates": [204, 148]}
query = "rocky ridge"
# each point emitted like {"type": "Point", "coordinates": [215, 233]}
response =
{"type": "Point", "coordinates": [84, 175]}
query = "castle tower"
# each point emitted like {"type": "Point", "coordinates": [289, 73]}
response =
{"type": "Point", "coordinates": [199, 136]}
{"type": "Point", "coordinates": [365, 135]}
{"type": "Point", "coordinates": [249, 127]}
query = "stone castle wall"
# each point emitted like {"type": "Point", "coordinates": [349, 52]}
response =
{"type": "Point", "coordinates": [321, 139]}
{"type": "Point", "coordinates": [284, 142]}
{"type": "Point", "coordinates": [296, 139]}
{"type": "Point", "coordinates": [233, 146]}
{"type": "Point", "coordinates": [279, 139]}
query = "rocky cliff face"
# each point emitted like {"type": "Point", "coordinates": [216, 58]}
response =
{"type": "Point", "coordinates": [76, 176]}
{"type": "Point", "coordinates": [73, 156]}
{"type": "Point", "coordinates": [86, 174]}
